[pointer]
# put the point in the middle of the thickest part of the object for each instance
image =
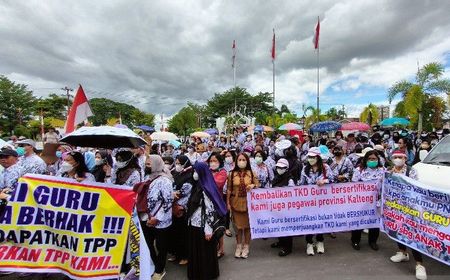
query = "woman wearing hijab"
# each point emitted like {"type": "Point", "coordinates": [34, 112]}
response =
{"type": "Point", "coordinates": [183, 184]}
{"type": "Point", "coordinates": [240, 181]}
{"type": "Point", "coordinates": [74, 167]}
{"type": "Point", "coordinates": [126, 171]}
{"type": "Point", "coordinates": [102, 159]}
{"type": "Point", "coordinates": [205, 202]}
{"type": "Point", "coordinates": [155, 223]}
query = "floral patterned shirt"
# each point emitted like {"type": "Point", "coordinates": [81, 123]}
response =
{"type": "Point", "coordinates": [196, 219]}
{"type": "Point", "coordinates": [313, 177]}
{"type": "Point", "coordinates": [32, 164]}
{"type": "Point", "coordinates": [159, 200]}
{"type": "Point", "coordinates": [344, 167]}
{"type": "Point", "coordinates": [10, 176]}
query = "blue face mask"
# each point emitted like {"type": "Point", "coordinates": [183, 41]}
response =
{"type": "Point", "coordinates": [20, 151]}
{"type": "Point", "coordinates": [58, 154]}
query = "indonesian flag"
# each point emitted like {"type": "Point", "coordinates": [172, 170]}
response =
{"type": "Point", "coordinates": [316, 35]}
{"type": "Point", "coordinates": [273, 46]}
{"type": "Point", "coordinates": [234, 53]}
{"type": "Point", "coordinates": [79, 112]}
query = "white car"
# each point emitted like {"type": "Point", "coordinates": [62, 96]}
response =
{"type": "Point", "coordinates": [434, 169]}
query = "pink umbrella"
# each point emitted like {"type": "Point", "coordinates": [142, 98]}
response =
{"type": "Point", "coordinates": [355, 126]}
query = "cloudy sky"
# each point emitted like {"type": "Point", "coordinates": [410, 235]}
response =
{"type": "Point", "coordinates": [157, 55]}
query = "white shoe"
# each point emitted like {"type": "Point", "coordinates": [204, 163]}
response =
{"type": "Point", "coordinates": [320, 248]}
{"type": "Point", "coordinates": [421, 273]}
{"type": "Point", "coordinates": [158, 276]}
{"type": "Point", "coordinates": [245, 251]}
{"type": "Point", "coordinates": [238, 252]}
{"type": "Point", "coordinates": [310, 249]}
{"type": "Point", "coordinates": [366, 231]}
{"type": "Point", "coordinates": [400, 257]}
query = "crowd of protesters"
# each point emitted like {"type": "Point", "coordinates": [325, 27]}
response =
{"type": "Point", "coordinates": [183, 191]}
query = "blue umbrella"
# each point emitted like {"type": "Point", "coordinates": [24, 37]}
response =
{"type": "Point", "coordinates": [325, 126]}
{"type": "Point", "coordinates": [146, 128]}
{"type": "Point", "coordinates": [394, 121]}
{"type": "Point", "coordinates": [211, 131]}
{"type": "Point", "coordinates": [175, 143]}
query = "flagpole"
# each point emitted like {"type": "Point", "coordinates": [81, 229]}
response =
{"type": "Point", "coordinates": [318, 115]}
{"type": "Point", "coordinates": [273, 82]}
{"type": "Point", "coordinates": [234, 75]}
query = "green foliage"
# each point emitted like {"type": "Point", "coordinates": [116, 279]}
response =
{"type": "Point", "coordinates": [105, 109]}
{"type": "Point", "coordinates": [16, 104]}
{"type": "Point", "coordinates": [418, 96]}
{"type": "Point", "coordinates": [184, 122]}
{"type": "Point", "coordinates": [21, 130]}
{"type": "Point", "coordinates": [369, 115]}
{"type": "Point", "coordinates": [54, 106]}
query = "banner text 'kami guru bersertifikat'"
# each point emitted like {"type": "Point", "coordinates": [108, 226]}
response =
{"type": "Point", "coordinates": [59, 225]}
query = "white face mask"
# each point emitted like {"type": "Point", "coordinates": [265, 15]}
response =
{"type": "Point", "coordinates": [386, 136]}
{"type": "Point", "coordinates": [168, 166]}
{"type": "Point", "coordinates": [242, 164]}
{"type": "Point", "coordinates": [229, 160]}
{"type": "Point", "coordinates": [281, 171]}
{"type": "Point", "coordinates": [65, 167]}
{"type": "Point", "coordinates": [178, 167]}
{"type": "Point", "coordinates": [398, 162]}
{"type": "Point", "coordinates": [258, 160]}
{"type": "Point", "coordinates": [98, 161]}
{"type": "Point", "coordinates": [214, 166]}
{"type": "Point", "coordinates": [312, 161]}
{"type": "Point", "coordinates": [122, 164]}
{"type": "Point", "coordinates": [195, 176]}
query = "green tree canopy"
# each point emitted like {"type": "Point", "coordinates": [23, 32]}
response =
{"type": "Point", "coordinates": [184, 122]}
{"type": "Point", "coordinates": [54, 106]}
{"type": "Point", "coordinates": [16, 104]}
{"type": "Point", "coordinates": [369, 115]}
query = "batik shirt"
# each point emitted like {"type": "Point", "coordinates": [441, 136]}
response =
{"type": "Point", "coordinates": [196, 219]}
{"type": "Point", "coordinates": [159, 201]}
{"type": "Point", "coordinates": [32, 164]}
{"type": "Point", "coordinates": [184, 194]}
{"type": "Point", "coordinates": [313, 177]}
{"type": "Point", "coordinates": [10, 176]}
{"type": "Point", "coordinates": [344, 167]}
{"type": "Point", "coordinates": [367, 174]}
{"type": "Point", "coordinates": [264, 175]}
{"type": "Point", "coordinates": [134, 178]}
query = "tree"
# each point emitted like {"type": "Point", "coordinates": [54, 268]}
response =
{"type": "Point", "coordinates": [54, 106]}
{"type": "Point", "coordinates": [284, 109]}
{"type": "Point", "coordinates": [105, 109]}
{"type": "Point", "coordinates": [184, 122]}
{"type": "Point", "coordinates": [415, 95]}
{"type": "Point", "coordinates": [369, 114]}
{"type": "Point", "coordinates": [16, 104]}
{"type": "Point", "coordinates": [314, 116]}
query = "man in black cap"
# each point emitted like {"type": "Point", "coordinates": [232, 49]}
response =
{"type": "Point", "coordinates": [12, 171]}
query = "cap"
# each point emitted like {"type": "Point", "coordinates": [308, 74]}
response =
{"type": "Point", "coordinates": [282, 163]}
{"type": "Point", "coordinates": [399, 153]}
{"type": "Point", "coordinates": [26, 142]}
{"type": "Point", "coordinates": [379, 148]}
{"type": "Point", "coordinates": [314, 151]}
{"type": "Point", "coordinates": [8, 152]}
{"type": "Point", "coordinates": [365, 151]}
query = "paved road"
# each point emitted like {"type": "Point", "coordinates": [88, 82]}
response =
{"type": "Point", "coordinates": [340, 261]}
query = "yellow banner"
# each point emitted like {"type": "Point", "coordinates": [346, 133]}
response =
{"type": "Point", "coordinates": [59, 225]}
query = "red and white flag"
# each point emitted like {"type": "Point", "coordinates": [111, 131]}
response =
{"type": "Point", "coordinates": [79, 112]}
{"type": "Point", "coordinates": [273, 46]}
{"type": "Point", "coordinates": [234, 53]}
{"type": "Point", "coordinates": [316, 35]}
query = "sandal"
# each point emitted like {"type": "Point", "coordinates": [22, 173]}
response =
{"type": "Point", "coordinates": [220, 254]}
{"type": "Point", "coordinates": [228, 233]}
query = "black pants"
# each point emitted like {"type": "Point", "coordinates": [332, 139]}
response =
{"type": "Point", "coordinates": [373, 235]}
{"type": "Point", "coordinates": [417, 255]}
{"type": "Point", "coordinates": [156, 239]}
{"type": "Point", "coordinates": [309, 238]}
{"type": "Point", "coordinates": [179, 237]}
{"type": "Point", "coordinates": [286, 243]}
{"type": "Point", "coordinates": [227, 217]}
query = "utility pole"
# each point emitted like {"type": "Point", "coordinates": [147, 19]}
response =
{"type": "Point", "coordinates": [68, 90]}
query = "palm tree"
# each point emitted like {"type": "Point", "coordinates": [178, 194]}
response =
{"type": "Point", "coordinates": [415, 95]}
{"type": "Point", "coordinates": [315, 115]}
{"type": "Point", "coordinates": [369, 114]}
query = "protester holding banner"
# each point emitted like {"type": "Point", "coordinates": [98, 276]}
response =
{"type": "Point", "coordinates": [204, 205]}
{"type": "Point", "coordinates": [400, 167]}
{"type": "Point", "coordinates": [283, 178]}
{"type": "Point", "coordinates": [159, 215]}
{"type": "Point", "coordinates": [341, 167]}
{"type": "Point", "coordinates": [315, 172]}
{"type": "Point", "coordinates": [370, 168]}
{"type": "Point", "coordinates": [262, 171]}
{"type": "Point", "coordinates": [240, 181]}
{"type": "Point", "coordinates": [74, 167]}
{"type": "Point", "coordinates": [12, 171]}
